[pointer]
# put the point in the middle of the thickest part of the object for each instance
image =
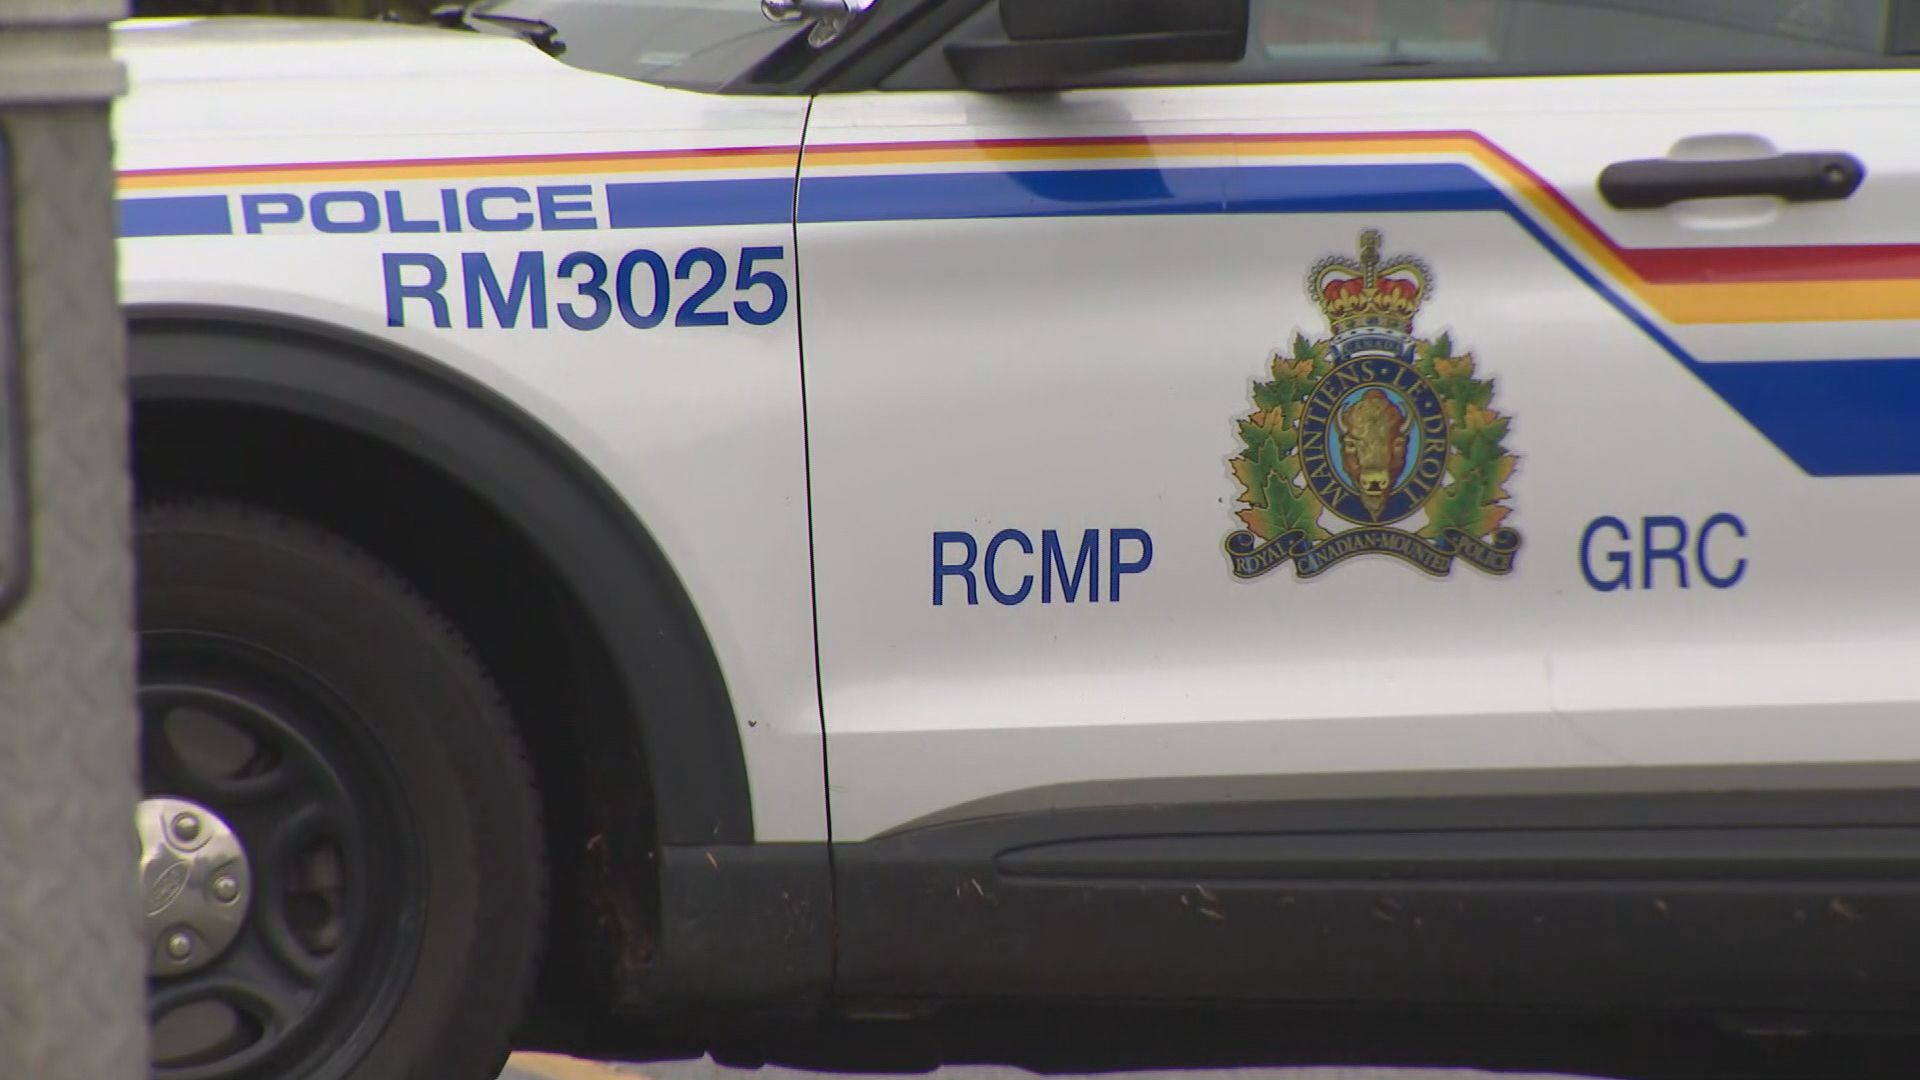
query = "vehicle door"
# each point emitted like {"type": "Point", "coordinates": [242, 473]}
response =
{"type": "Point", "coordinates": [1453, 398]}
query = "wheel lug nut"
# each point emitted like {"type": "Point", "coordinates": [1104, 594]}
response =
{"type": "Point", "coordinates": [179, 945]}
{"type": "Point", "coordinates": [186, 827]}
{"type": "Point", "coordinates": [226, 888]}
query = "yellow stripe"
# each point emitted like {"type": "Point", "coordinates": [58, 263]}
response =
{"type": "Point", "coordinates": [1078, 152]}
{"type": "Point", "coordinates": [1687, 304]}
{"type": "Point", "coordinates": [441, 171]}
{"type": "Point", "coordinates": [1710, 302]}
{"type": "Point", "coordinates": [1786, 301]}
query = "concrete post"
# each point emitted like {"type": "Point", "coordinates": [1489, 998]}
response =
{"type": "Point", "coordinates": [71, 968]}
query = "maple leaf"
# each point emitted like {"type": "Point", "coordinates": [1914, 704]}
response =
{"type": "Point", "coordinates": [1292, 508]}
{"type": "Point", "coordinates": [1254, 433]}
{"type": "Point", "coordinates": [1502, 472]}
{"type": "Point", "coordinates": [1282, 509]}
{"type": "Point", "coordinates": [1447, 508]}
{"type": "Point", "coordinates": [1490, 519]}
{"type": "Point", "coordinates": [1260, 522]}
{"type": "Point", "coordinates": [1279, 428]}
{"type": "Point", "coordinates": [1251, 478]}
{"type": "Point", "coordinates": [1292, 382]}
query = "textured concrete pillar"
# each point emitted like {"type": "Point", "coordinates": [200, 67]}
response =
{"type": "Point", "coordinates": [71, 970]}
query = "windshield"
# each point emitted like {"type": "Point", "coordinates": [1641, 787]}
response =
{"type": "Point", "coordinates": [695, 44]}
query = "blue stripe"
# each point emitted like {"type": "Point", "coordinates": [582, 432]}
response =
{"type": "Point", "coordinates": [1283, 189]}
{"type": "Point", "coordinates": [176, 215]}
{"type": "Point", "coordinates": [1831, 417]}
{"type": "Point", "coordinates": [1836, 417]}
{"type": "Point", "coordinates": [668, 203]}
{"type": "Point", "coordinates": [1034, 193]}
{"type": "Point", "coordinates": [1106, 192]}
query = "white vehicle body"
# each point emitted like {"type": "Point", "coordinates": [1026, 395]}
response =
{"type": "Point", "coordinates": [947, 393]}
{"type": "Point", "coordinates": [1471, 505]}
{"type": "Point", "coordinates": [264, 109]}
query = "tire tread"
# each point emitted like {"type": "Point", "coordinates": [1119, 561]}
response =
{"type": "Point", "coordinates": [245, 522]}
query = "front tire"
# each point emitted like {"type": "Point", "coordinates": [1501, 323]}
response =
{"type": "Point", "coordinates": [301, 697]}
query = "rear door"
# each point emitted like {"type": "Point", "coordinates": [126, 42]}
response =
{"type": "Point", "coordinates": [1323, 427]}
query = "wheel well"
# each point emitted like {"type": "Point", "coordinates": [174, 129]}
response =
{"type": "Point", "coordinates": [525, 625]}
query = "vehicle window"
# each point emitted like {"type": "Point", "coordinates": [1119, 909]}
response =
{"type": "Point", "coordinates": [1577, 34]}
{"type": "Point", "coordinates": [1301, 40]}
{"type": "Point", "coordinates": [692, 44]}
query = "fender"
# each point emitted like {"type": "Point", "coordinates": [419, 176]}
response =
{"type": "Point", "coordinates": [530, 477]}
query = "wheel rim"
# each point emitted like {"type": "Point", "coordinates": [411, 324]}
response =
{"type": "Point", "coordinates": [258, 749]}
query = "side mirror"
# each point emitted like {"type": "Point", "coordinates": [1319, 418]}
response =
{"type": "Point", "coordinates": [1052, 44]}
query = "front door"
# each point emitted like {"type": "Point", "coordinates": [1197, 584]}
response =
{"type": "Point", "coordinates": [1317, 424]}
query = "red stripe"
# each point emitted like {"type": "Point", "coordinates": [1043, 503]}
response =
{"type": "Point", "coordinates": [1859, 262]}
{"type": "Point", "coordinates": [1660, 266]}
{"type": "Point", "coordinates": [1164, 139]}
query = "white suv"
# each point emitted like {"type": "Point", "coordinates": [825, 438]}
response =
{"type": "Point", "coordinates": [926, 530]}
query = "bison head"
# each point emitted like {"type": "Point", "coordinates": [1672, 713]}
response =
{"type": "Point", "coordinates": [1373, 442]}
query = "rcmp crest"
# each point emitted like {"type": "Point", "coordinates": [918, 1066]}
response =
{"type": "Point", "coordinates": [1372, 441]}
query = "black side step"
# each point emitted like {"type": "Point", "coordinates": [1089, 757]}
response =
{"type": "Point", "coordinates": [1770, 901]}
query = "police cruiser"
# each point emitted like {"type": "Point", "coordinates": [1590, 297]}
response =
{"type": "Point", "coordinates": [1063, 532]}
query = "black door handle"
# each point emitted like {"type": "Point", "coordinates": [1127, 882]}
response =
{"type": "Point", "coordinates": [1652, 184]}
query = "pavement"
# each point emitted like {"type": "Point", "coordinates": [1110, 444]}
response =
{"type": "Point", "coordinates": [550, 1067]}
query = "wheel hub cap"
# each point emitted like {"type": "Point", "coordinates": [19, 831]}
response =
{"type": "Point", "coordinates": [195, 883]}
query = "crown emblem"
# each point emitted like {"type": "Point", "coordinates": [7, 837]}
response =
{"type": "Point", "coordinates": [1371, 293]}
